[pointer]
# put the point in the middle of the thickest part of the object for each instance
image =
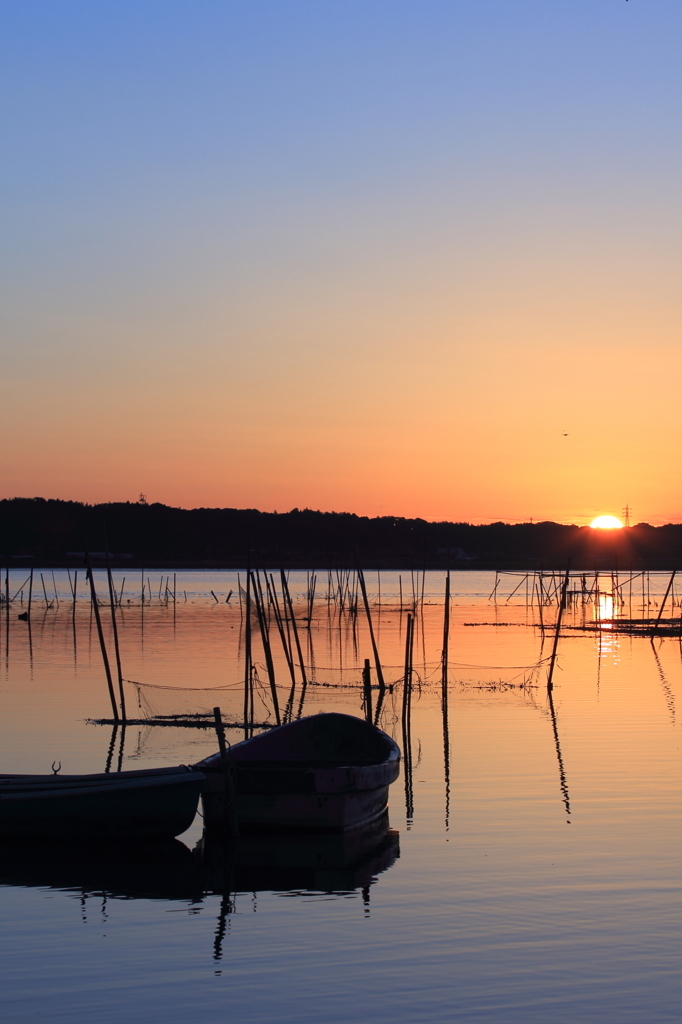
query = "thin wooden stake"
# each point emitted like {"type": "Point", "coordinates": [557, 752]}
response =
{"type": "Point", "coordinates": [367, 690]}
{"type": "Point", "coordinates": [229, 809]}
{"type": "Point", "coordinates": [377, 662]}
{"type": "Point", "coordinates": [446, 630]}
{"type": "Point", "coordinates": [272, 594]}
{"type": "Point", "coordinates": [100, 634]}
{"type": "Point", "coordinates": [664, 600]}
{"type": "Point", "coordinates": [290, 604]}
{"type": "Point", "coordinates": [247, 654]}
{"type": "Point", "coordinates": [114, 629]}
{"type": "Point", "coordinates": [407, 683]}
{"type": "Point", "coordinates": [260, 610]}
{"type": "Point", "coordinates": [562, 605]}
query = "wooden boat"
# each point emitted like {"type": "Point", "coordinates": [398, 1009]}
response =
{"type": "Point", "coordinates": [328, 772]}
{"type": "Point", "coordinates": [159, 803]}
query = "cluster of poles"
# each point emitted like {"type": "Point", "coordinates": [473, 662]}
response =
{"type": "Point", "coordinates": [268, 608]}
{"type": "Point", "coordinates": [166, 592]}
{"type": "Point", "coordinates": [624, 591]}
{"type": "Point", "coordinates": [118, 706]}
{"type": "Point", "coordinates": [264, 602]}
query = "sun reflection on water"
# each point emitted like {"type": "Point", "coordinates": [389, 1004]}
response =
{"type": "Point", "coordinates": [607, 608]}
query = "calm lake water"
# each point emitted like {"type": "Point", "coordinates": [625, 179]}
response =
{"type": "Point", "coordinates": [532, 868]}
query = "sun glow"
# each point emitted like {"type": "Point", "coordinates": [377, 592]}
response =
{"type": "Point", "coordinates": [606, 523]}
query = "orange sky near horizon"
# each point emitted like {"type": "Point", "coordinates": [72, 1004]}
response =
{"type": "Point", "coordinates": [346, 271]}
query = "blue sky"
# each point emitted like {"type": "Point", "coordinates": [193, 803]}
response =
{"type": "Point", "coordinates": [296, 214]}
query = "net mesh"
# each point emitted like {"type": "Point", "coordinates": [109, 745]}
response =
{"type": "Point", "coordinates": [326, 688]}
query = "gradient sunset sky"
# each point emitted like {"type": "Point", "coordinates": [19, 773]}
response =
{"type": "Point", "coordinates": [387, 257]}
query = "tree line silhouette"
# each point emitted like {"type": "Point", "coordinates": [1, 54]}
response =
{"type": "Point", "coordinates": [57, 532]}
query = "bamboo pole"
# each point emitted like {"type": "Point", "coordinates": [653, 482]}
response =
{"type": "Point", "coordinates": [260, 611]}
{"type": "Point", "coordinates": [562, 605]}
{"type": "Point", "coordinates": [493, 592]}
{"type": "Point", "coordinates": [407, 679]}
{"type": "Point", "coordinates": [30, 592]}
{"type": "Point", "coordinates": [114, 629]}
{"type": "Point", "coordinates": [542, 621]}
{"type": "Point", "coordinates": [7, 619]}
{"type": "Point", "coordinates": [446, 631]}
{"type": "Point", "coordinates": [247, 653]}
{"type": "Point", "coordinates": [406, 722]}
{"type": "Point", "coordinates": [229, 809]}
{"type": "Point", "coordinates": [297, 640]}
{"type": "Point", "coordinates": [367, 690]}
{"type": "Point", "coordinates": [272, 594]}
{"type": "Point", "coordinates": [311, 596]}
{"type": "Point", "coordinates": [525, 578]}
{"type": "Point", "coordinates": [19, 591]}
{"type": "Point", "coordinates": [377, 662]}
{"type": "Point", "coordinates": [444, 700]}
{"type": "Point", "coordinates": [100, 634]}
{"type": "Point", "coordinates": [660, 613]}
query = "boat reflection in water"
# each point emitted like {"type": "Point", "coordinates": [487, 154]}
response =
{"type": "Point", "coordinates": [218, 865]}
{"type": "Point", "coordinates": [324, 862]}
{"type": "Point", "coordinates": [165, 870]}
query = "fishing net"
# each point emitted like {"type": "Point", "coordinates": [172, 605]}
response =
{"type": "Point", "coordinates": [193, 706]}
{"type": "Point", "coordinates": [326, 688]}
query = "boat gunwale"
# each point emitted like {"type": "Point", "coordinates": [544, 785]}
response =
{"type": "Point", "coordinates": [76, 791]}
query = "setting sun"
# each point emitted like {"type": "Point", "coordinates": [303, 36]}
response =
{"type": "Point", "coordinates": [606, 523]}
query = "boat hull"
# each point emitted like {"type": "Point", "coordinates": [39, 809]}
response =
{"type": "Point", "coordinates": [327, 772]}
{"type": "Point", "coordinates": [154, 806]}
{"type": "Point", "coordinates": [298, 811]}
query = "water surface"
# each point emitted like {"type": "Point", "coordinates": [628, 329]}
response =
{"type": "Point", "coordinates": [532, 868]}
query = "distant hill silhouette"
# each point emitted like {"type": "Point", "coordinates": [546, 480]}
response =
{"type": "Point", "coordinates": [53, 532]}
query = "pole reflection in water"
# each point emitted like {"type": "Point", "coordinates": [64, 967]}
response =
{"type": "Point", "coordinates": [407, 721]}
{"type": "Point", "coordinates": [669, 696]}
{"type": "Point", "coordinates": [444, 699]}
{"type": "Point", "coordinates": [112, 744]}
{"type": "Point", "coordinates": [563, 783]}
{"type": "Point", "coordinates": [296, 864]}
{"type": "Point", "coordinates": [340, 864]}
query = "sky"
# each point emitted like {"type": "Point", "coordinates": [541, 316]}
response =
{"type": "Point", "coordinates": [376, 256]}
